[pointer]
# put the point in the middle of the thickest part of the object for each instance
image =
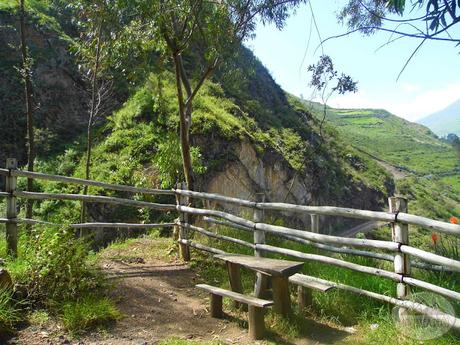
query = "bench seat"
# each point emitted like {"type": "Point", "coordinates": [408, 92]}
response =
{"type": "Point", "coordinates": [256, 308]}
{"type": "Point", "coordinates": [308, 282]}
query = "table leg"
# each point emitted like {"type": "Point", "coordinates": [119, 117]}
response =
{"type": "Point", "coordinates": [281, 298]}
{"type": "Point", "coordinates": [234, 275]}
{"type": "Point", "coordinates": [261, 286]}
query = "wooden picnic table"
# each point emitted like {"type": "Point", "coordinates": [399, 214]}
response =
{"type": "Point", "coordinates": [277, 270]}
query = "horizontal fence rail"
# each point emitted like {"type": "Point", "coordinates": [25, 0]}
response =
{"type": "Point", "coordinates": [83, 182]}
{"type": "Point", "coordinates": [401, 253]}
{"type": "Point", "coordinates": [94, 198]}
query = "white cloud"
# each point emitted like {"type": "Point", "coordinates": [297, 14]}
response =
{"type": "Point", "coordinates": [410, 87]}
{"type": "Point", "coordinates": [413, 105]}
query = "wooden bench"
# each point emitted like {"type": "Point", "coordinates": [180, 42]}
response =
{"type": "Point", "coordinates": [305, 285]}
{"type": "Point", "coordinates": [276, 270]}
{"type": "Point", "coordinates": [256, 308]}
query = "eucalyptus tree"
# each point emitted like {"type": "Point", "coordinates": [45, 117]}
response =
{"type": "Point", "coordinates": [97, 21]}
{"type": "Point", "coordinates": [423, 20]}
{"type": "Point", "coordinates": [210, 30]}
{"type": "Point", "coordinates": [26, 72]}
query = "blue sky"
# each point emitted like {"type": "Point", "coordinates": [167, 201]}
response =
{"type": "Point", "coordinates": [429, 83]}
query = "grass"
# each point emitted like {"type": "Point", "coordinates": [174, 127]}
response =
{"type": "Point", "coordinates": [87, 313]}
{"type": "Point", "coordinates": [10, 310]}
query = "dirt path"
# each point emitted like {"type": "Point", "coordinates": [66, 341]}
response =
{"type": "Point", "coordinates": [159, 301]}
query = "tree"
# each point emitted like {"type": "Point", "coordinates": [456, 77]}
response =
{"type": "Point", "coordinates": [438, 17]}
{"type": "Point", "coordinates": [435, 22]}
{"type": "Point", "coordinates": [29, 96]}
{"type": "Point", "coordinates": [97, 27]}
{"type": "Point", "coordinates": [212, 31]}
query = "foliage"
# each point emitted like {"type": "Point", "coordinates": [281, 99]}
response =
{"type": "Point", "coordinates": [371, 15]}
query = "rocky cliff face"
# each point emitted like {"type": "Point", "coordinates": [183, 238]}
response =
{"type": "Point", "coordinates": [60, 111]}
{"type": "Point", "coordinates": [250, 172]}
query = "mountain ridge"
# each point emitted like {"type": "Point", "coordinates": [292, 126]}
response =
{"type": "Point", "coordinates": [445, 121]}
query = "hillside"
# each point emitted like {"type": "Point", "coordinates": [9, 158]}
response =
{"type": "Point", "coordinates": [426, 169]}
{"type": "Point", "coordinates": [445, 121]}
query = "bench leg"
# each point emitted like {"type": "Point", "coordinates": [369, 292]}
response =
{"type": "Point", "coordinates": [216, 306]}
{"type": "Point", "coordinates": [281, 298]}
{"type": "Point", "coordinates": [234, 275]}
{"type": "Point", "coordinates": [305, 297]}
{"type": "Point", "coordinates": [256, 322]}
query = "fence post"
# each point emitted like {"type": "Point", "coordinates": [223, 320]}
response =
{"type": "Point", "coordinates": [184, 249]}
{"type": "Point", "coordinates": [261, 284]}
{"type": "Point", "coordinates": [11, 209]}
{"type": "Point", "coordinates": [314, 223]}
{"type": "Point", "coordinates": [400, 234]}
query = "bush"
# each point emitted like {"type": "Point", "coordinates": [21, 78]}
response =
{"type": "Point", "coordinates": [57, 269]}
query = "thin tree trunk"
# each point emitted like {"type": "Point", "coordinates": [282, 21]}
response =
{"type": "Point", "coordinates": [92, 114]}
{"type": "Point", "coordinates": [28, 89]}
{"type": "Point", "coordinates": [184, 115]}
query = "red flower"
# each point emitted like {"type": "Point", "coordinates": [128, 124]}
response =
{"type": "Point", "coordinates": [434, 237]}
{"type": "Point", "coordinates": [453, 220]}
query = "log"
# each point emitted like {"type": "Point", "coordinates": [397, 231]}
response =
{"type": "Point", "coordinates": [293, 232]}
{"type": "Point", "coordinates": [201, 247]}
{"type": "Point", "coordinates": [355, 242]}
{"type": "Point", "coordinates": [256, 322]}
{"type": "Point", "coordinates": [4, 172]}
{"type": "Point", "coordinates": [433, 288]}
{"type": "Point", "coordinates": [228, 224]}
{"type": "Point", "coordinates": [4, 194]}
{"type": "Point", "coordinates": [234, 276]}
{"type": "Point", "coordinates": [281, 296]}
{"type": "Point", "coordinates": [122, 225]}
{"type": "Point", "coordinates": [216, 306]}
{"type": "Point", "coordinates": [329, 211]}
{"type": "Point", "coordinates": [341, 250]}
{"type": "Point", "coordinates": [4, 220]}
{"type": "Point", "coordinates": [236, 296]}
{"type": "Point", "coordinates": [84, 182]}
{"type": "Point", "coordinates": [417, 307]}
{"type": "Point", "coordinates": [448, 228]}
{"type": "Point", "coordinates": [215, 197]}
{"type": "Point", "coordinates": [430, 257]}
{"type": "Point", "coordinates": [94, 198]}
{"type": "Point", "coordinates": [218, 236]}
{"type": "Point", "coordinates": [332, 261]}
{"type": "Point", "coordinates": [184, 250]}
{"type": "Point", "coordinates": [11, 209]}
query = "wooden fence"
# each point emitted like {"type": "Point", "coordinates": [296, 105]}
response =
{"type": "Point", "coordinates": [399, 251]}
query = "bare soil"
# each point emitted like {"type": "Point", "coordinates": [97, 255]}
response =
{"type": "Point", "coordinates": [156, 294]}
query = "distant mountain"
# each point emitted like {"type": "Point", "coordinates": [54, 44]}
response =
{"type": "Point", "coordinates": [445, 121]}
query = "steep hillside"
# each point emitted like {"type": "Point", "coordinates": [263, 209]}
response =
{"type": "Point", "coordinates": [59, 110]}
{"type": "Point", "coordinates": [445, 121]}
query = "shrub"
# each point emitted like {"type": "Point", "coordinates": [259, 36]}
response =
{"type": "Point", "coordinates": [57, 270]}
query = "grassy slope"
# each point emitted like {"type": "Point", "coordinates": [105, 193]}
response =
{"type": "Point", "coordinates": [433, 167]}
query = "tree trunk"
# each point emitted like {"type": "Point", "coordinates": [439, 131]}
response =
{"type": "Point", "coordinates": [92, 115]}
{"type": "Point", "coordinates": [184, 115]}
{"type": "Point", "coordinates": [28, 89]}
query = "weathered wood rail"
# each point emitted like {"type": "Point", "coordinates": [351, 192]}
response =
{"type": "Point", "coordinates": [398, 251]}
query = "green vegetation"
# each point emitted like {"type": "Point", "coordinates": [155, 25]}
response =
{"type": "Point", "coordinates": [54, 272]}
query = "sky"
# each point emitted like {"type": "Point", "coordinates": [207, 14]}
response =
{"type": "Point", "coordinates": [430, 82]}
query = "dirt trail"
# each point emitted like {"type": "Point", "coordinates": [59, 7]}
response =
{"type": "Point", "coordinates": [158, 298]}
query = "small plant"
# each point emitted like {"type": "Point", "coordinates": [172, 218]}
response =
{"type": "Point", "coordinates": [88, 312]}
{"type": "Point", "coordinates": [10, 312]}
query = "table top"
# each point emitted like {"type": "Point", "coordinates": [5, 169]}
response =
{"type": "Point", "coordinates": [273, 267]}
